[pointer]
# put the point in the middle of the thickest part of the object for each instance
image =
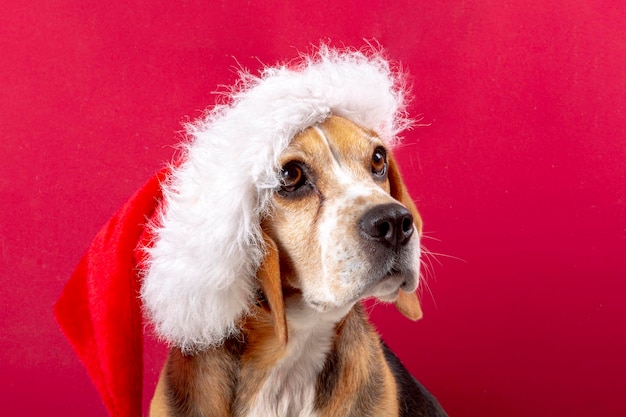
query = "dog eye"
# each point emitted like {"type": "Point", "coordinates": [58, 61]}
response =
{"type": "Point", "coordinates": [379, 162]}
{"type": "Point", "coordinates": [291, 177]}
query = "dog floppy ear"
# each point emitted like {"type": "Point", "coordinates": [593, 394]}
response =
{"type": "Point", "coordinates": [406, 303]}
{"type": "Point", "coordinates": [268, 276]}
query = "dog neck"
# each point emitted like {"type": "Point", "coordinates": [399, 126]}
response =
{"type": "Point", "coordinates": [286, 376]}
{"type": "Point", "coordinates": [332, 363]}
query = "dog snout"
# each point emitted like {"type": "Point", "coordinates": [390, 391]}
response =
{"type": "Point", "coordinates": [390, 224]}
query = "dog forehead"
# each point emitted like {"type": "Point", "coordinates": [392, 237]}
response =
{"type": "Point", "coordinates": [346, 139]}
{"type": "Point", "coordinates": [334, 140]}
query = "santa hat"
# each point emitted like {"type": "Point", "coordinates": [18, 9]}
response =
{"type": "Point", "coordinates": [186, 248]}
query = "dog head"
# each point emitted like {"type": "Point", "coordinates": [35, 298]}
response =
{"type": "Point", "coordinates": [337, 219]}
{"type": "Point", "coordinates": [342, 226]}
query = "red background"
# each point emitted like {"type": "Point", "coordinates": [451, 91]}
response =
{"type": "Point", "coordinates": [520, 175]}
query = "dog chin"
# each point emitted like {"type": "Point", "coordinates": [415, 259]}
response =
{"type": "Point", "coordinates": [387, 288]}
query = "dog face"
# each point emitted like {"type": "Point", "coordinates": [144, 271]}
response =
{"type": "Point", "coordinates": [342, 221]}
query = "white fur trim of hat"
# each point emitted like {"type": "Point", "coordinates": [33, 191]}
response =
{"type": "Point", "coordinates": [199, 278]}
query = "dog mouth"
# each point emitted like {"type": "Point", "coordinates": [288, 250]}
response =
{"type": "Point", "coordinates": [391, 270]}
{"type": "Point", "coordinates": [386, 287]}
{"type": "Point", "coordinates": [362, 280]}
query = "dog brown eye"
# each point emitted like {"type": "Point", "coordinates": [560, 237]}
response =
{"type": "Point", "coordinates": [379, 162]}
{"type": "Point", "coordinates": [291, 177]}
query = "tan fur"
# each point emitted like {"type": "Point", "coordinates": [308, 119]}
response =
{"type": "Point", "coordinates": [193, 383]}
{"type": "Point", "coordinates": [224, 381]}
{"type": "Point", "coordinates": [158, 405]}
{"type": "Point", "coordinates": [271, 285]}
{"type": "Point", "coordinates": [361, 364]}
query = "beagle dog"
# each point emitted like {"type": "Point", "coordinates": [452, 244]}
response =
{"type": "Point", "coordinates": [342, 228]}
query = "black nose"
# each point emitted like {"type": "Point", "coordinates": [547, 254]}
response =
{"type": "Point", "coordinates": [390, 224]}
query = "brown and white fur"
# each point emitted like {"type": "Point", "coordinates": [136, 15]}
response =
{"type": "Point", "coordinates": [341, 228]}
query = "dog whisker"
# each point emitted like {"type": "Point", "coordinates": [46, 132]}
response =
{"type": "Point", "coordinates": [436, 255]}
{"type": "Point", "coordinates": [426, 235]}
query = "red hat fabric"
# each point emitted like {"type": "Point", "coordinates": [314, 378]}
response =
{"type": "Point", "coordinates": [106, 335]}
